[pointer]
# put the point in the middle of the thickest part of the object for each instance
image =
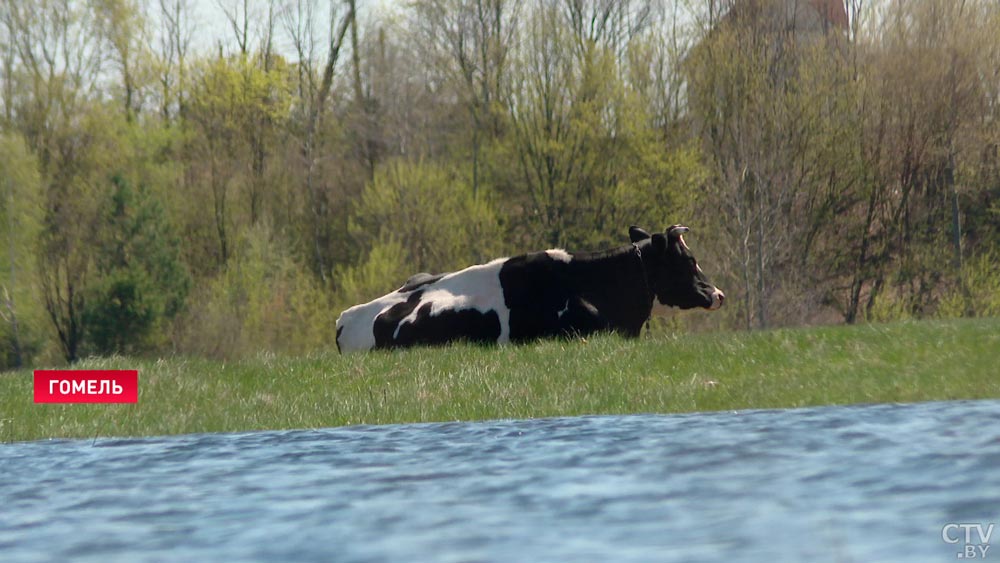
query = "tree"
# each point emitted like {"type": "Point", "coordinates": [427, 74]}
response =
{"type": "Point", "coordinates": [769, 101]}
{"type": "Point", "coordinates": [232, 109]}
{"type": "Point", "coordinates": [171, 61]}
{"type": "Point", "coordinates": [314, 87]}
{"type": "Point", "coordinates": [922, 146]}
{"type": "Point", "coordinates": [262, 300]}
{"type": "Point", "coordinates": [469, 43]}
{"type": "Point", "coordinates": [430, 212]}
{"type": "Point", "coordinates": [139, 281]}
{"type": "Point", "coordinates": [58, 68]}
{"type": "Point", "coordinates": [122, 26]}
{"type": "Point", "coordinates": [581, 144]}
{"type": "Point", "coordinates": [20, 222]}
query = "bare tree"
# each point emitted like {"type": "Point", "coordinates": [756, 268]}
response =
{"type": "Point", "coordinates": [237, 13]}
{"type": "Point", "coordinates": [470, 42]}
{"type": "Point", "coordinates": [176, 32]}
{"type": "Point", "coordinates": [609, 23]}
{"type": "Point", "coordinates": [124, 30]}
{"type": "Point", "coordinates": [314, 96]}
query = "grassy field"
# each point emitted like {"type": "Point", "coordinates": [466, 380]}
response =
{"type": "Point", "coordinates": [905, 362]}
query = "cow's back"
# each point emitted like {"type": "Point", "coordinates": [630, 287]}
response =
{"type": "Point", "coordinates": [464, 305]}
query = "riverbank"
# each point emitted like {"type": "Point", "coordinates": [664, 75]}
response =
{"type": "Point", "coordinates": [902, 362]}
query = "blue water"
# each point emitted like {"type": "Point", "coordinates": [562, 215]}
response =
{"type": "Point", "coordinates": [857, 483]}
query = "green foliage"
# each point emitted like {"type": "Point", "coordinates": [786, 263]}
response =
{"type": "Point", "coordinates": [384, 270]}
{"type": "Point", "coordinates": [21, 316]}
{"type": "Point", "coordinates": [119, 319]}
{"type": "Point", "coordinates": [584, 153]}
{"type": "Point", "coordinates": [233, 109]}
{"type": "Point", "coordinates": [890, 306]}
{"type": "Point", "coordinates": [657, 188]}
{"type": "Point", "coordinates": [427, 212]}
{"type": "Point", "coordinates": [262, 301]}
{"type": "Point", "coordinates": [140, 281]}
{"type": "Point", "coordinates": [978, 292]}
{"type": "Point", "coordinates": [89, 150]}
{"type": "Point", "coordinates": [234, 93]}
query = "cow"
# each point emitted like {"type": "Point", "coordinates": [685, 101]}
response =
{"type": "Point", "coordinates": [537, 295]}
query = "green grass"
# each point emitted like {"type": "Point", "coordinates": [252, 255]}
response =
{"type": "Point", "coordinates": [905, 362]}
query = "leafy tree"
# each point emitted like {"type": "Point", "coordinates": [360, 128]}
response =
{"type": "Point", "coordinates": [20, 223]}
{"type": "Point", "coordinates": [140, 282]}
{"type": "Point", "coordinates": [923, 147]}
{"type": "Point", "coordinates": [263, 300]}
{"type": "Point", "coordinates": [121, 24]}
{"type": "Point", "coordinates": [583, 150]}
{"type": "Point", "coordinates": [384, 269]}
{"type": "Point", "coordinates": [429, 213]}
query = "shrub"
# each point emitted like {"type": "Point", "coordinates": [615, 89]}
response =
{"type": "Point", "coordinates": [977, 294]}
{"type": "Point", "coordinates": [415, 217]}
{"type": "Point", "coordinates": [382, 271]}
{"type": "Point", "coordinates": [263, 300]}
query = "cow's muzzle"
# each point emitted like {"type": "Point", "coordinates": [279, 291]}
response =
{"type": "Point", "coordinates": [717, 298]}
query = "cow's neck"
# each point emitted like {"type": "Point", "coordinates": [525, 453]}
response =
{"type": "Point", "coordinates": [616, 283]}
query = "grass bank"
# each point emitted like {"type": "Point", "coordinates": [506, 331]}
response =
{"type": "Point", "coordinates": [904, 362]}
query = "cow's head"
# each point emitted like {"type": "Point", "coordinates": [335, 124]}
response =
{"type": "Point", "coordinates": [673, 272]}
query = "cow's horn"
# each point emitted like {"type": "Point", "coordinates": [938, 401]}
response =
{"type": "Point", "coordinates": [677, 230]}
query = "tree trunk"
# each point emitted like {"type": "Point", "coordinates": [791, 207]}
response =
{"type": "Point", "coordinates": [857, 284]}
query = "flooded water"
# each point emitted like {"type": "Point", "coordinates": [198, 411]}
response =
{"type": "Point", "coordinates": [828, 484]}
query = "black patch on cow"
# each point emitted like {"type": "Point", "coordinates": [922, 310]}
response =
{"type": "Point", "coordinates": [580, 318]}
{"type": "Point", "coordinates": [592, 292]}
{"type": "Point", "coordinates": [340, 330]}
{"type": "Point", "coordinates": [417, 281]}
{"type": "Point", "coordinates": [385, 324]}
{"type": "Point", "coordinates": [535, 289]}
{"type": "Point", "coordinates": [449, 325]}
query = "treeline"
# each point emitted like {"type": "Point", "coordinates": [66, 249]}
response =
{"type": "Point", "coordinates": [161, 198]}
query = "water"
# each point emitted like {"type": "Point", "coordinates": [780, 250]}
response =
{"type": "Point", "coordinates": [829, 484]}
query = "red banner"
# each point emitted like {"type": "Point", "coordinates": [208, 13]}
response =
{"type": "Point", "coordinates": [86, 386]}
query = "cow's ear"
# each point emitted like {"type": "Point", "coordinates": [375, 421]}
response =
{"type": "Point", "coordinates": [636, 234]}
{"type": "Point", "coordinates": [659, 242]}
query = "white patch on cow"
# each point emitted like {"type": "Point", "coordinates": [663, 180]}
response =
{"type": "Point", "coordinates": [559, 254]}
{"type": "Point", "coordinates": [684, 245]}
{"type": "Point", "coordinates": [564, 310]}
{"type": "Point", "coordinates": [355, 324]}
{"type": "Point", "coordinates": [476, 287]}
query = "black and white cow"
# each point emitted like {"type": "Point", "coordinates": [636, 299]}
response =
{"type": "Point", "coordinates": [542, 294]}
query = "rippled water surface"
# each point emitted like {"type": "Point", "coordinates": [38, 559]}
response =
{"type": "Point", "coordinates": [829, 484]}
